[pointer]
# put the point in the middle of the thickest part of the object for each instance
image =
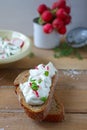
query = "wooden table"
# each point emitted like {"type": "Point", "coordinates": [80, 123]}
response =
{"type": "Point", "coordinates": [71, 90]}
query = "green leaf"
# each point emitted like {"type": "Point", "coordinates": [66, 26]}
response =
{"type": "Point", "coordinates": [43, 99]}
{"type": "Point", "coordinates": [53, 11]}
{"type": "Point", "coordinates": [40, 21]}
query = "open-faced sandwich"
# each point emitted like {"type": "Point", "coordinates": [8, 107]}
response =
{"type": "Point", "coordinates": [35, 90]}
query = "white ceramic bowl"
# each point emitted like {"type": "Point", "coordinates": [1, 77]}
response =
{"type": "Point", "coordinates": [26, 49]}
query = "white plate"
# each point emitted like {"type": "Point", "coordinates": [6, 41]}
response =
{"type": "Point", "coordinates": [26, 49]}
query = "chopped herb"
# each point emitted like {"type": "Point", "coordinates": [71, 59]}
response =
{"type": "Point", "coordinates": [43, 99]}
{"type": "Point", "coordinates": [32, 80]}
{"type": "Point", "coordinates": [77, 54]}
{"type": "Point", "coordinates": [39, 81]}
{"type": "Point", "coordinates": [34, 86]}
{"type": "Point", "coordinates": [11, 53]}
{"type": "Point", "coordinates": [31, 55]}
{"type": "Point", "coordinates": [46, 73]}
{"type": "Point", "coordinates": [65, 50]}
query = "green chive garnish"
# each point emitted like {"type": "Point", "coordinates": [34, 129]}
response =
{"type": "Point", "coordinates": [34, 86]}
{"type": "Point", "coordinates": [39, 81]}
{"type": "Point", "coordinates": [43, 99]}
{"type": "Point", "coordinates": [32, 80]}
{"type": "Point", "coordinates": [46, 73]}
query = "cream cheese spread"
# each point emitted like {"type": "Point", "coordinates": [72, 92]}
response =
{"type": "Point", "coordinates": [10, 47]}
{"type": "Point", "coordinates": [36, 89]}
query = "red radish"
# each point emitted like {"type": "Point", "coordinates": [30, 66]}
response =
{"type": "Point", "coordinates": [61, 13]}
{"type": "Point", "coordinates": [55, 5]}
{"type": "Point", "coordinates": [47, 16]}
{"type": "Point", "coordinates": [59, 4]}
{"type": "Point", "coordinates": [48, 28]}
{"type": "Point", "coordinates": [47, 67]}
{"type": "Point", "coordinates": [56, 17]}
{"type": "Point", "coordinates": [67, 20]}
{"type": "Point", "coordinates": [67, 9]}
{"type": "Point", "coordinates": [36, 67]}
{"type": "Point", "coordinates": [62, 30]}
{"type": "Point", "coordinates": [37, 94]}
{"type": "Point", "coordinates": [57, 23]}
{"type": "Point", "coordinates": [41, 8]}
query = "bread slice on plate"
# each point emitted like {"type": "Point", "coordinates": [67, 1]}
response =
{"type": "Point", "coordinates": [36, 112]}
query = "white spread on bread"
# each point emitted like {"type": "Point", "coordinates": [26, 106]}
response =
{"type": "Point", "coordinates": [36, 89]}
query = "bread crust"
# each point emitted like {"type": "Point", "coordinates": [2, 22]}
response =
{"type": "Point", "coordinates": [42, 112]}
{"type": "Point", "coordinates": [56, 114]}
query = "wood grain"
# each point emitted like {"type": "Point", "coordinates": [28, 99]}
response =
{"type": "Point", "coordinates": [74, 100]}
{"type": "Point", "coordinates": [71, 90]}
{"type": "Point", "coordinates": [19, 121]}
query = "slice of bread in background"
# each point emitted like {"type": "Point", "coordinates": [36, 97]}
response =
{"type": "Point", "coordinates": [35, 112]}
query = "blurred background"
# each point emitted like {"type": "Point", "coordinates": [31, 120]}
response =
{"type": "Point", "coordinates": [18, 14]}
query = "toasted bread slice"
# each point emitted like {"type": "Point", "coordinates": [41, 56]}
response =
{"type": "Point", "coordinates": [35, 112]}
{"type": "Point", "coordinates": [56, 113]}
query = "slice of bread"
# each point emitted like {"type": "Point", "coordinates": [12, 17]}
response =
{"type": "Point", "coordinates": [35, 112]}
{"type": "Point", "coordinates": [56, 113]}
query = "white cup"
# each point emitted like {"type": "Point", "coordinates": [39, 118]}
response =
{"type": "Point", "coordinates": [43, 40]}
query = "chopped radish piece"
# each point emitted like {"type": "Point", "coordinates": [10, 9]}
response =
{"type": "Point", "coordinates": [18, 42]}
{"type": "Point", "coordinates": [36, 67]}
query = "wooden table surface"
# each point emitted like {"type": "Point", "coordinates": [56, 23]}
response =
{"type": "Point", "coordinates": [71, 90]}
